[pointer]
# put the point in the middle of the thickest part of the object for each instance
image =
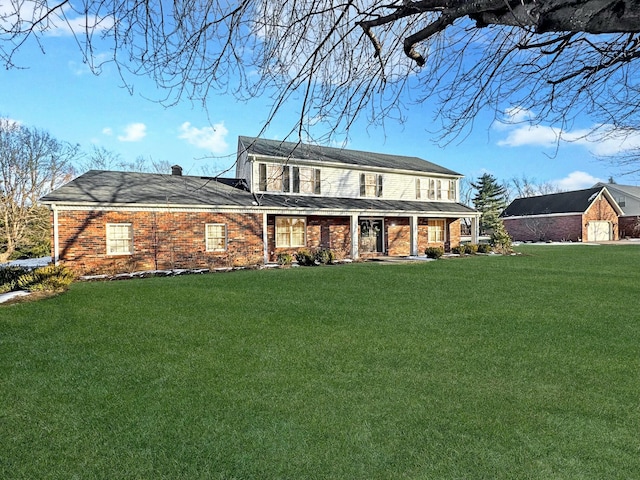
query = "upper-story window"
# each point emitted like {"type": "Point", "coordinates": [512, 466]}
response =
{"type": "Point", "coordinates": [432, 189]}
{"type": "Point", "coordinates": [306, 180]}
{"type": "Point", "coordinates": [273, 178]}
{"type": "Point", "coordinates": [370, 185]}
{"type": "Point", "coordinates": [284, 178]}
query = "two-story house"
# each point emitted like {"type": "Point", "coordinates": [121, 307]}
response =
{"type": "Point", "coordinates": [285, 196]}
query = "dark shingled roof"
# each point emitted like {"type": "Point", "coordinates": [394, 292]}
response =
{"type": "Point", "coordinates": [567, 202]}
{"type": "Point", "coordinates": [107, 187]}
{"type": "Point", "coordinates": [100, 187]}
{"type": "Point", "coordinates": [302, 151]}
{"type": "Point", "coordinates": [361, 204]}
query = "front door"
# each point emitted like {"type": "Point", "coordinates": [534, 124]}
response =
{"type": "Point", "coordinates": [371, 236]}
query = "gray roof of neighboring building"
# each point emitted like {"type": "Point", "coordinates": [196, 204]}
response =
{"type": "Point", "coordinates": [101, 187]}
{"type": "Point", "coordinates": [302, 151]}
{"type": "Point", "coordinates": [577, 201]}
{"type": "Point", "coordinates": [629, 190]}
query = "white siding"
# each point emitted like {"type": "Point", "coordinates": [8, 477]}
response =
{"type": "Point", "coordinates": [345, 182]}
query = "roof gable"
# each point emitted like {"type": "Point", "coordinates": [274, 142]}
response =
{"type": "Point", "coordinates": [577, 201]}
{"type": "Point", "coordinates": [302, 151]}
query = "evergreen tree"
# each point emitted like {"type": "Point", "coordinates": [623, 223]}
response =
{"type": "Point", "coordinates": [490, 200]}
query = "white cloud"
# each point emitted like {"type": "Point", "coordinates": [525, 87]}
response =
{"type": "Point", "coordinates": [600, 140]}
{"type": "Point", "coordinates": [134, 132]}
{"type": "Point", "coordinates": [576, 181]}
{"type": "Point", "coordinates": [208, 138]}
{"type": "Point", "coordinates": [107, 131]}
{"type": "Point", "coordinates": [64, 21]}
{"type": "Point", "coordinates": [524, 135]}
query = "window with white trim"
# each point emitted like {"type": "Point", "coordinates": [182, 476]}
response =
{"type": "Point", "coordinates": [216, 237]}
{"type": "Point", "coordinates": [370, 185]}
{"type": "Point", "coordinates": [422, 188]}
{"type": "Point", "coordinates": [435, 231]}
{"type": "Point", "coordinates": [119, 239]}
{"type": "Point", "coordinates": [291, 232]}
{"type": "Point", "coordinates": [273, 178]}
{"type": "Point", "coordinates": [306, 180]}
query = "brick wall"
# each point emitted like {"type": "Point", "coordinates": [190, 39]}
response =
{"type": "Point", "coordinates": [601, 209]}
{"type": "Point", "coordinates": [322, 232]}
{"type": "Point", "coordinates": [629, 226]}
{"type": "Point", "coordinates": [541, 228]}
{"type": "Point", "coordinates": [161, 240]}
{"type": "Point", "coordinates": [166, 240]}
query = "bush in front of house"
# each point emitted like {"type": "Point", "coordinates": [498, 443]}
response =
{"type": "Point", "coordinates": [434, 252]}
{"type": "Point", "coordinates": [9, 278]}
{"type": "Point", "coordinates": [459, 250]}
{"type": "Point", "coordinates": [305, 258]}
{"type": "Point", "coordinates": [325, 256]}
{"type": "Point", "coordinates": [500, 239]}
{"type": "Point", "coordinates": [285, 259]}
{"type": "Point", "coordinates": [52, 278]}
{"type": "Point", "coordinates": [484, 248]}
{"type": "Point", "coordinates": [471, 248]}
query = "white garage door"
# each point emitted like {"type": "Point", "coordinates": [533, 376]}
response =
{"type": "Point", "coordinates": [598, 231]}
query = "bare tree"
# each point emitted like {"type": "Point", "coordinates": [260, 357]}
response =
{"type": "Point", "coordinates": [32, 163]}
{"type": "Point", "coordinates": [101, 158]}
{"type": "Point", "coordinates": [520, 187]}
{"type": "Point", "coordinates": [339, 59]}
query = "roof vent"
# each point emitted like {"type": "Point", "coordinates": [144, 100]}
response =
{"type": "Point", "coordinates": [176, 170]}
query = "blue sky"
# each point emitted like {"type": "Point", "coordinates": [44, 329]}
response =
{"type": "Point", "coordinates": [57, 93]}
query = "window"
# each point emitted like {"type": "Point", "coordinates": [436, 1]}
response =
{"type": "Point", "coordinates": [448, 189]}
{"type": "Point", "coordinates": [290, 231]}
{"type": "Point", "coordinates": [621, 201]}
{"type": "Point", "coordinates": [216, 237]}
{"type": "Point", "coordinates": [119, 239]}
{"type": "Point", "coordinates": [422, 188]}
{"type": "Point", "coordinates": [435, 231]}
{"type": "Point", "coordinates": [306, 180]}
{"type": "Point", "coordinates": [273, 178]}
{"type": "Point", "coordinates": [435, 189]}
{"type": "Point", "coordinates": [370, 185]}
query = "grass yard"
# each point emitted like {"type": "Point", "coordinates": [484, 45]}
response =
{"type": "Point", "coordinates": [521, 367]}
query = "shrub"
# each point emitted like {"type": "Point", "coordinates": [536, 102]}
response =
{"type": "Point", "coordinates": [285, 259]}
{"type": "Point", "coordinates": [471, 248]}
{"type": "Point", "coordinates": [434, 252]}
{"type": "Point", "coordinates": [459, 250]}
{"type": "Point", "coordinates": [51, 278]}
{"type": "Point", "coordinates": [500, 239]}
{"type": "Point", "coordinates": [484, 248]}
{"type": "Point", "coordinates": [9, 278]}
{"type": "Point", "coordinates": [325, 256]}
{"type": "Point", "coordinates": [305, 257]}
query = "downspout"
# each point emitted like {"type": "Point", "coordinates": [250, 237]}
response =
{"type": "Point", "coordinates": [56, 238]}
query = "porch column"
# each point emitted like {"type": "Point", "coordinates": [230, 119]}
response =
{"type": "Point", "coordinates": [475, 229]}
{"type": "Point", "coordinates": [354, 237]}
{"type": "Point", "coordinates": [413, 225]}
{"type": "Point", "coordinates": [265, 240]}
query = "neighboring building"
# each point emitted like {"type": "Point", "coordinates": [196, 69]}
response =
{"type": "Point", "coordinates": [628, 198]}
{"type": "Point", "coordinates": [589, 215]}
{"type": "Point", "coordinates": [286, 197]}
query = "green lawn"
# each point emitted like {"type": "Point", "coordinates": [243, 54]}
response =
{"type": "Point", "coordinates": [486, 367]}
